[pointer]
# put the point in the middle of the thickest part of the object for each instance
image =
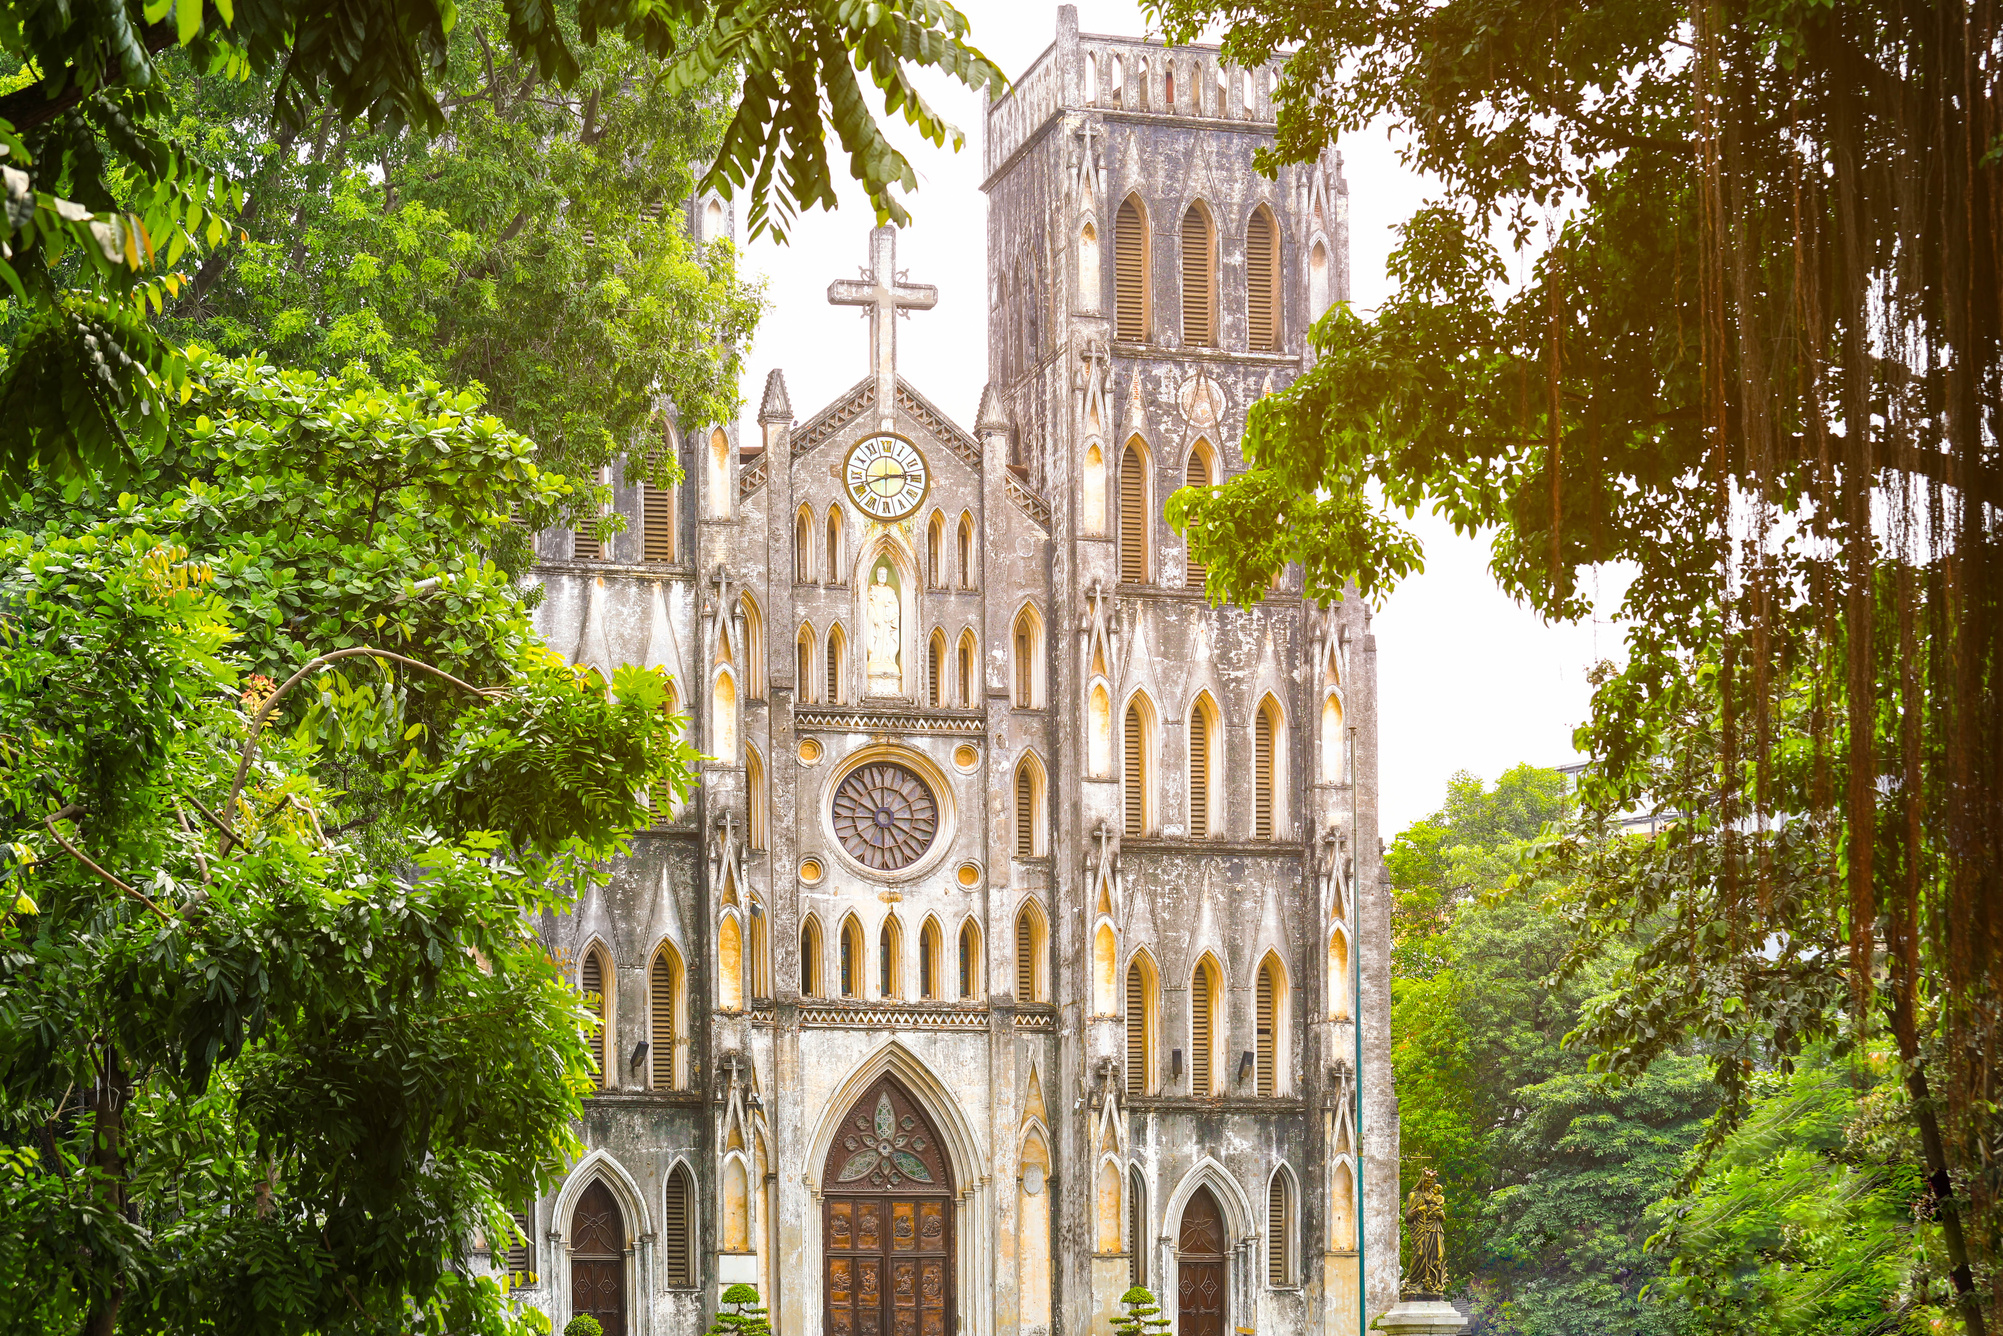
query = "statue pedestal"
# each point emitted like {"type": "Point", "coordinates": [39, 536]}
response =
{"type": "Point", "coordinates": [1422, 1317]}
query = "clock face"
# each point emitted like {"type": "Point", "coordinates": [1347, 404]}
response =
{"type": "Point", "coordinates": [886, 477]}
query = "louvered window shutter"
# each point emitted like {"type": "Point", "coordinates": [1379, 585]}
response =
{"type": "Point", "coordinates": [1025, 959]}
{"type": "Point", "coordinates": [1197, 475]}
{"type": "Point", "coordinates": [1137, 1244]}
{"type": "Point", "coordinates": [806, 670]}
{"type": "Point", "coordinates": [834, 668]}
{"type": "Point", "coordinates": [967, 961]}
{"type": "Point", "coordinates": [1197, 307]}
{"type": "Point", "coordinates": [657, 523]}
{"type": "Point", "coordinates": [661, 1000]}
{"type": "Point", "coordinates": [932, 556]}
{"type": "Point", "coordinates": [675, 1233]}
{"type": "Point", "coordinates": [928, 963]}
{"type": "Point", "coordinates": [587, 546]}
{"type": "Point", "coordinates": [1276, 1233]}
{"type": "Point", "coordinates": [966, 675]}
{"type": "Point", "coordinates": [1262, 285]}
{"type": "Point", "coordinates": [1199, 773]}
{"type": "Point", "coordinates": [835, 549]}
{"type": "Point", "coordinates": [592, 980]}
{"type": "Point", "coordinates": [1268, 1049]}
{"type": "Point", "coordinates": [802, 549]}
{"type": "Point", "coordinates": [1025, 813]}
{"type": "Point", "coordinates": [1137, 1031]}
{"type": "Point", "coordinates": [932, 672]}
{"type": "Point", "coordinates": [810, 963]}
{"type": "Point", "coordinates": [1199, 1032]}
{"type": "Point", "coordinates": [1262, 776]}
{"type": "Point", "coordinates": [886, 962]}
{"type": "Point", "coordinates": [1133, 518]}
{"type": "Point", "coordinates": [1130, 275]}
{"type": "Point", "coordinates": [518, 1249]}
{"type": "Point", "coordinates": [1022, 669]}
{"type": "Point", "coordinates": [849, 980]}
{"type": "Point", "coordinates": [1134, 773]}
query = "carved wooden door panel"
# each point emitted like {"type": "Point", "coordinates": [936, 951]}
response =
{"type": "Point", "coordinates": [887, 1222]}
{"type": "Point", "coordinates": [1200, 1268]}
{"type": "Point", "coordinates": [598, 1260]}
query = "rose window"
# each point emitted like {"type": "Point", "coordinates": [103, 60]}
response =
{"type": "Point", "coordinates": [885, 817]}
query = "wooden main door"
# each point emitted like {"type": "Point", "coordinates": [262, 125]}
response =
{"type": "Point", "coordinates": [887, 1221]}
{"type": "Point", "coordinates": [598, 1260]}
{"type": "Point", "coordinates": [1199, 1268]}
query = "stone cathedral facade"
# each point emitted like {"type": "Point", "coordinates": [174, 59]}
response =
{"type": "Point", "coordinates": [1015, 945]}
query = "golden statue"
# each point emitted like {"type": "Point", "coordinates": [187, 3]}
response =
{"type": "Point", "coordinates": [1426, 1220]}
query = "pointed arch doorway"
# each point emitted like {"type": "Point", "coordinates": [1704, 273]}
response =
{"type": "Point", "coordinates": [887, 1220]}
{"type": "Point", "coordinates": [1200, 1267]}
{"type": "Point", "coordinates": [598, 1259]}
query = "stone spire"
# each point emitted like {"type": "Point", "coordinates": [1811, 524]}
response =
{"type": "Point", "coordinates": [776, 407]}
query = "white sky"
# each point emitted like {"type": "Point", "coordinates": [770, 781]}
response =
{"type": "Point", "coordinates": [1467, 679]}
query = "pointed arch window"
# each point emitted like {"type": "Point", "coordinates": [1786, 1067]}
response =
{"type": "Point", "coordinates": [657, 514]}
{"type": "Point", "coordinates": [1136, 781]}
{"type": "Point", "coordinates": [1262, 282]}
{"type": "Point", "coordinates": [730, 964]}
{"type": "Point", "coordinates": [1028, 955]}
{"type": "Point", "coordinates": [1141, 1025]}
{"type": "Point", "coordinates": [851, 958]}
{"type": "Point", "coordinates": [678, 1231]}
{"type": "Point", "coordinates": [1094, 519]}
{"type": "Point", "coordinates": [970, 959]}
{"type": "Point", "coordinates": [1196, 473]}
{"type": "Point", "coordinates": [1318, 279]}
{"type": "Point", "coordinates": [1203, 996]}
{"type": "Point", "coordinates": [836, 666]}
{"type": "Point", "coordinates": [890, 958]}
{"type": "Point", "coordinates": [1028, 809]}
{"type": "Point", "coordinates": [1340, 981]}
{"type": "Point", "coordinates": [1130, 273]}
{"type": "Point", "coordinates": [1028, 655]}
{"type": "Point", "coordinates": [721, 484]}
{"type": "Point", "coordinates": [935, 669]}
{"type": "Point", "coordinates": [810, 957]}
{"type": "Point", "coordinates": [1279, 1232]}
{"type": "Point", "coordinates": [1203, 735]}
{"type": "Point", "coordinates": [929, 948]}
{"type": "Point", "coordinates": [803, 547]}
{"type": "Point", "coordinates": [968, 681]}
{"type": "Point", "coordinates": [935, 538]}
{"type": "Point", "coordinates": [836, 570]}
{"type": "Point", "coordinates": [1269, 1008]}
{"type": "Point", "coordinates": [1088, 268]}
{"type": "Point", "coordinates": [1137, 1228]}
{"type": "Point", "coordinates": [1199, 279]}
{"type": "Point", "coordinates": [757, 964]}
{"type": "Point", "coordinates": [521, 1249]}
{"type": "Point", "coordinates": [1331, 739]}
{"type": "Point", "coordinates": [723, 718]}
{"type": "Point", "coordinates": [1265, 742]}
{"type": "Point", "coordinates": [966, 550]}
{"type": "Point", "coordinates": [805, 650]}
{"type": "Point", "coordinates": [594, 980]}
{"type": "Point", "coordinates": [1133, 514]}
{"type": "Point", "coordinates": [664, 1000]}
{"type": "Point", "coordinates": [754, 648]}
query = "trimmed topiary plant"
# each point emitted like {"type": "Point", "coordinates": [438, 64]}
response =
{"type": "Point", "coordinates": [583, 1325]}
{"type": "Point", "coordinates": [1143, 1316]}
{"type": "Point", "coordinates": [744, 1318]}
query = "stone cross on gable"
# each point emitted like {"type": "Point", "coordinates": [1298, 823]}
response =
{"type": "Point", "coordinates": [881, 289]}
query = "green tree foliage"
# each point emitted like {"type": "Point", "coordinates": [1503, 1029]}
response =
{"type": "Point", "coordinates": [537, 247]}
{"type": "Point", "coordinates": [1548, 1170]}
{"type": "Point", "coordinates": [104, 193]}
{"type": "Point", "coordinates": [1812, 1216]}
{"type": "Point", "coordinates": [288, 784]}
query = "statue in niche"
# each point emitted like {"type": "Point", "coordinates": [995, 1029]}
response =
{"type": "Point", "coordinates": [1426, 1222]}
{"type": "Point", "coordinates": [880, 607]}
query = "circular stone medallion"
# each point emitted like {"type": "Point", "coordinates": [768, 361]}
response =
{"type": "Point", "coordinates": [885, 816]}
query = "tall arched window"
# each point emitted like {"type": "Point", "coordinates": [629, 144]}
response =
{"type": "Point", "coordinates": [837, 666]}
{"type": "Point", "coordinates": [1340, 982]}
{"type": "Point", "coordinates": [890, 958]}
{"type": "Point", "coordinates": [754, 648]}
{"type": "Point", "coordinates": [1262, 282]}
{"type": "Point", "coordinates": [1130, 273]}
{"type": "Point", "coordinates": [1137, 1228]}
{"type": "Point", "coordinates": [929, 949]}
{"type": "Point", "coordinates": [1028, 809]}
{"type": "Point", "coordinates": [966, 550]}
{"type": "Point", "coordinates": [1141, 1025]}
{"type": "Point", "coordinates": [969, 682]}
{"type": "Point", "coordinates": [664, 988]}
{"type": "Point", "coordinates": [935, 538]}
{"type": "Point", "coordinates": [1133, 514]}
{"type": "Point", "coordinates": [1204, 994]}
{"type": "Point", "coordinates": [851, 957]}
{"type": "Point", "coordinates": [678, 1231]}
{"type": "Point", "coordinates": [805, 649]}
{"type": "Point", "coordinates": [803, 546]}
{"type": "Point", "coordinates": [1199, 279]}
{"type": "Point", "coordinates": [970, 959]}
{"type": "Point", "coordinates": [1028, 655]}
{"type": "Point", "coordinates": [1136, 754]}
{"type": "Point", "coordinates": [1332, 740]}
{"type": "Point", "coordinates": [837, 572]}
{"type": "Point", "coordinates": [757, 963]}
{"type": "Point", "coordinates": [1094, 496]}
{"type": "Point", "coordinates": [757, 833]}
{"type": "Point", "coordinates": [1203, 735]}
{"type": "Point", "coordinates": [1269, 1007]}
{"type": "Point", "coordinates": [1196, 473]}
{"type": "Point", "coordinates": [1318, 279]}
{"type": "Point", "coordinates": [722, 487]}
{"type": "Point", "coordinates": [810, 957]}
{"type": "Point", "coordinates": [723, 718]}
{"type": "Point", "coordinates": [1265, 741]}
{"type": "Point", "coordinates": [594, 980]}
{"type": "Point", "coordinates": [1088, 268]}
{"type": "Point", "coordinates": [1279, 1231]}
{"type": "Point", "coordinates": [657, 519]}
{"type": "Point", "coordinates": [1029, 955]}
{"type": "Point", "coordinates": [935, 669]}
{"type": "Point", "coordinates": [730, 981]}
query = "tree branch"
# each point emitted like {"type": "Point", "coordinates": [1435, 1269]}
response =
{"type": "Point", "coordinates": [70, 812]}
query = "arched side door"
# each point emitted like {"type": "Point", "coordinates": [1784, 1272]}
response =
{"type": "Point", "coordinates": [1199, 1267]}
{"type": "Point", "coordinates": [887, 1223]}
{"type": "Point", "coordinates": [598, 1259]}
